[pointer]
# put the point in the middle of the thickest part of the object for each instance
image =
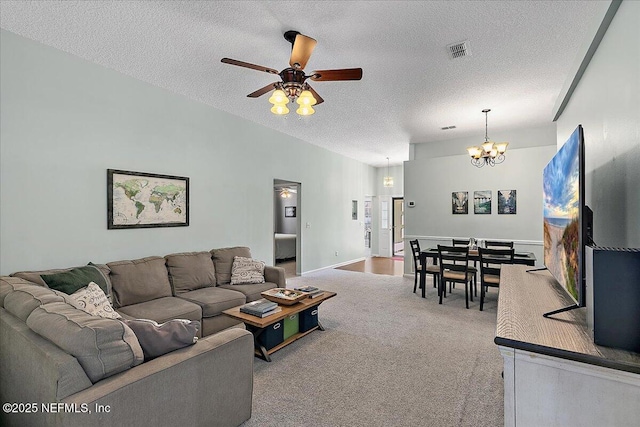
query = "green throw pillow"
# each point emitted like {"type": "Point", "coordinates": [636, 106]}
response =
{"type": "Point", "coordinates": [76, 278]}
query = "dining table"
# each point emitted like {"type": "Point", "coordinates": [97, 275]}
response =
{"type": "Point", "coordinates": [526, 258]}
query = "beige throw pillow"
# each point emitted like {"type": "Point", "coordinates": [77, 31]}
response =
{"type": "Point", "coordinates": [246, 270]}
{"type": "Point", "coordinates": [93, 300]}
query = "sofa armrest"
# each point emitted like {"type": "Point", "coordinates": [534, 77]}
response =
{"type": "Point", "coordinates": [207, 384]}
{"type": "Point", "coordinates": [275, 275]}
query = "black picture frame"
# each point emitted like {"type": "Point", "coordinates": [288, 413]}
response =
{"type": "Point", "coordinates": [155, 194]}
{"type": "Point", "coordinates": [482, 202]}
{"type": "Point", "coordinates": [460, 202]}
{"type": "Point", "coordinates": [507, 202]}
{"type": "Point", "coordinates": [290, 211]}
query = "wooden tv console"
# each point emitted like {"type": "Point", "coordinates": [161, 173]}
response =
{"type": "Point", "coordinates": [554, 374]}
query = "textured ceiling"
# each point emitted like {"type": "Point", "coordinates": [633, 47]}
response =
{"type": "Point", "coordinates": [521, 54]}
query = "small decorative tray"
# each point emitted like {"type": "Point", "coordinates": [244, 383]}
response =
{"type": "Point", "coordinates": [284, 296]}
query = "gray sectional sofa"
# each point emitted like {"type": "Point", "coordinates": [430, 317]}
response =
{"type": "Point", "coordinates": [63, 367]}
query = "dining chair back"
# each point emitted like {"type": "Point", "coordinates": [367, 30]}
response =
{"type": "Point", "coordinates": [491, 261]}
{"type": "Point", "coordinates": [498, 244]}
{"type": "Point", "coordinates": [417, 266]}
{"type": "Point", "coordinates": [454, 268]}
{"type": "Point", "coordinates": [460, 242]}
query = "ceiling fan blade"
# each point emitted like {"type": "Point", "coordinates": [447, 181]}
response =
{"type": "Point", "coordinates": [301, 51]}
{"type": "Point", "coordinates": [318, 98]}
{"type": "Point", "coordinates": [334, 75]}
{"type": "Point", "coordinates": [263, 90]}
{"type": "Point", "coordinates": [248, 65]}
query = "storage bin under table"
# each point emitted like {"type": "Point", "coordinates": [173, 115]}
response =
{"type": "Point", "coordinates": [274, 332]}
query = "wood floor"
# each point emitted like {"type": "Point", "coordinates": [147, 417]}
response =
{"type": "Point", "coordinates": [377, 265]}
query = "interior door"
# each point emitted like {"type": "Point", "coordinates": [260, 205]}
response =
{"type": "Point", "coordinates": [385, 249]}
{"type": "Point", "coordinates": [398, 226]}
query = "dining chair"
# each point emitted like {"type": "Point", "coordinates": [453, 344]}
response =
{"type": "Point", "coordinates": [473, 268]}
{"type": "Point", "coordinates": [434, 270]}
{"type": "Point", "coordinates": [491, 261]}
{"type": "Point", "coordinates": [454, 268]}
{"type": "Point", "coordinates": [498, 244]}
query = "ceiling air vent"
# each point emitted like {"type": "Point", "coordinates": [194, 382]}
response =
{"type": "Point", "coordinates": [458, 50]}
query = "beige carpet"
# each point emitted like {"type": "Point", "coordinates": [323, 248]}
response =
{"type": "Point", "coordinates": [387, 358]}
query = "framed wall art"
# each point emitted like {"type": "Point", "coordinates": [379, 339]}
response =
{"type": "Point", "coordinates": [507, 202]}
{"type": "Point", "coordinates": [290, 211]}
{"type": "Point", "coordinates": [482, 202]}
{"type": "Point", "coordinates": [146, 200]}
{"type": "Point", "coordinates": [460, 202]}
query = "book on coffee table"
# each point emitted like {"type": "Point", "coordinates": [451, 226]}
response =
{"type": "Point", "coordinates": [258, 307]}
{"type": "Point", "coordinates": [311, 290]}
{"type": "Point", "coordinates": [266, 313]}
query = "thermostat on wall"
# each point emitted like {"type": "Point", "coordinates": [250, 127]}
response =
{"type": "Point", "coordinates": [411, 204]}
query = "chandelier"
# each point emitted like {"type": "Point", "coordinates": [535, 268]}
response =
{"type": "Point", "coordinates": [294, 91]}
{"type": "Point", "coordinates": [388, 180]}
{"type": "Point", "coordinates": [488, 153]}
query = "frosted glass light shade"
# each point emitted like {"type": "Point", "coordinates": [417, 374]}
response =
{"type": "Point", "coordinates": [487, 146]}
{"type": "Point", "coordinates": [280, 109]}
{"type": "Point", "coordinates": [278, 97]}
{"type": "Point", "coordinates": [305, 110]}
{"type": "Point", "coordinates": [306, 98]}
{"type": "Point", "coordinates": [502, 147]}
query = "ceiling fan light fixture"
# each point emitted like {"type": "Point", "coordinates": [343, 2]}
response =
{"type": "Point", "coordinates": [280, 109]}
{"type": "Point", "coordinates": [305, 110]}
{"type": "Point", "coordinates": [278, 97]}
{"type": "Point", "coordinates": [306, 98]}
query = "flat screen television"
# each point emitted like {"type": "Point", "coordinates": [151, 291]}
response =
{"type": "Point", "coordinates": [568, 222]}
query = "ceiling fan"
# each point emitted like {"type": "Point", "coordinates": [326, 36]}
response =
{"type": "Point", "coordinates": [293, 84]}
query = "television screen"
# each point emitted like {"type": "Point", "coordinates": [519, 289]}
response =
{"type": "Point", "coordinates": [563, 194]}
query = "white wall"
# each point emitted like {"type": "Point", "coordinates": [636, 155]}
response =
{"type": "Point", "coordinates": [429, 182]}
{"type": "Point", "coordinates": [64, 121]}
{"type": "Point", "coordinates": [607, 104]}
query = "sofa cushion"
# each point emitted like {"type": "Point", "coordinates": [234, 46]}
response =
{"type": "Point", "coordinates": [251, 291]}
{"type": "Point", "coordinates": [102, 346]}
{"type": "Point", "coordinates": [223, 260]}
{"type": "Point", "coordinates": [214, 300]}
{"type": "Point", "coordinates": [36, 276]}
{"type": "Point", "coordinates": [157, 339]}
{"type": "Point", "coordinates": [190, 270]}
{"type": "Point", "coordinates": [94, 301]}
{"type": "Point", "coordinates": [139, 280]}
{"type": "Point", "coordinates": [247, 270]}
{"type": "Point", "coordinates": [22, 297]}
{"type": "Point", "coordinates": [162, 310]}
{"type": "Point", "coordinates": [76, 278]}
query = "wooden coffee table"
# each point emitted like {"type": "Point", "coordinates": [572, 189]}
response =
{"type": "Point", "coordinates": [257, 325]}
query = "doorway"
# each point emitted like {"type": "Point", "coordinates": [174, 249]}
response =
{"type": "Point", "coordinates": [286, 226]}
{"type": "Point", "coordinates": [398, 227]}
{"type": "Point", "coordinates": [368, 204]}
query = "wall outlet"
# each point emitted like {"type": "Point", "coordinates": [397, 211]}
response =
{"type": "Point", "coordinates": [308, 225]}
{"type": "Point", "coordinates": [336, 253]}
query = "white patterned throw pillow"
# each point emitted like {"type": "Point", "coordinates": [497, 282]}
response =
{"type": "Point", "coordinates": [246, 270]}
{"type": "Point", "coordinates": [93, 300]}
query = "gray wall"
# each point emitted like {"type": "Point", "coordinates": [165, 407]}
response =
{"type": "Point", "coordinates": [429, 182]}
{"type": "Point", "coordinates": [607, 104]}
{"type": "Point", "coordinates": [64, 121]}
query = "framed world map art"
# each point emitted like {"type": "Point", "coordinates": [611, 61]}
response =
{"type": "Point", "coordinates": [146, 200]}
